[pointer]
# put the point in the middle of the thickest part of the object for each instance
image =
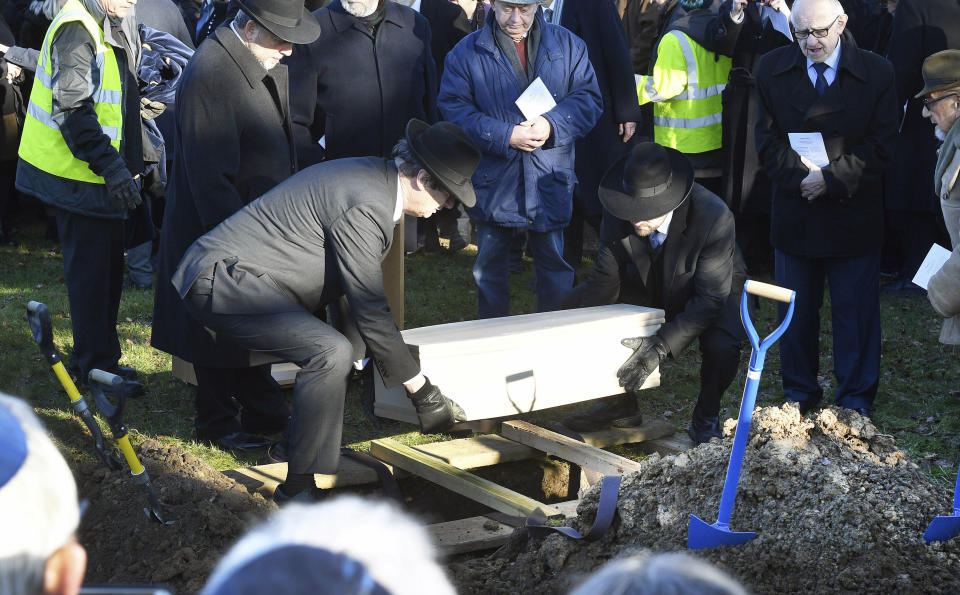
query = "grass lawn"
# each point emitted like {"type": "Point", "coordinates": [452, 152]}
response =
{"type": "Point", "coordinates": [918, 402]}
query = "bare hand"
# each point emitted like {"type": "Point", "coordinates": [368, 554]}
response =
{"type": "Point", "coordinates": [626, 130]}
{"type": "Point", "coordinates": [779, 6]}
{"type": "Point", "coordinates": [736, 9]}
{"type": "Point", "coordinates": [813, 186]}
{"type": "Point", "coordinates": [13, 71]}
{"type": "Point", "coordinates": [530, 135]}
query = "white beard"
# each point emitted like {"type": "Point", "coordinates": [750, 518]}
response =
{"type": "Point", "coordinates": [939, 133]}
{"type": "Point", "coordinates": [361, 12]}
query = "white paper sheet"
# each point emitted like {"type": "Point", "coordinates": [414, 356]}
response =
{"type": "Point", "coordinates": [810, 145]}
{"type": "Point", "coordinates": [931, 264]}
{"type": "Point", "coordinates": [536, 100]}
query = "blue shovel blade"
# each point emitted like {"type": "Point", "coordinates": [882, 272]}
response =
{"type": "Point", "coordinates": [942, 528]}
{"type": "Point", "coordinates": [703, 535]}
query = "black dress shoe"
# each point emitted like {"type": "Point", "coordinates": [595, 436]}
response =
{"type": "Point", "coordinates": [240, 441]}
{"type": "Point", "coordinates": [620, 411]}
{"type": "Point", "coordinates": [864, 411]}
{"type": "Point", "coordinates": [806, 405]}
{"type": "Point", "coordinates": [307, 496]}
{"type": "Point", "coordinates": [133, 388]}
{"type": "Point", "coordinates": [703, 429]}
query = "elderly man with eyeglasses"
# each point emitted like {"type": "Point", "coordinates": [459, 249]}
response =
{"type": "Point", "coordinates": [827, 216]}
{"type": "Point", "coordinates": [940, 98]}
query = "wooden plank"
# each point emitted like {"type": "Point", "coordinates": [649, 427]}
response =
{"type": "Point", "coordinates": [670, 445]}
{"type": "Point", "coordinates": [479, 451]}
{"type": "Point", "coordinates": [479, 533]}
{"type": "Point", "coordinates": [265, 478]}
{"type": "Point", "coordinates": [457, 480]}
{"type": "Point", "coordinates": [568, 449]}
{"type": "Point", "coordinates": [649, 430]}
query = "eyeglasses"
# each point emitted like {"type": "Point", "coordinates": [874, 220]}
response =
{"type": "Point", "coordinates": [818, 33]}
{"type": "Point", "coordinates": [927, 101]}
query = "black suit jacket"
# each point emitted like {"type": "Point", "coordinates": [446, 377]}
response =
{"type": "Point", "coordinates": [702, 271]}
{"type": "Point", "coordinates": [448, 25]}
{"type": "Point", "coordinates": [857, 117]}
{"type": "Point", "coordinates": [320, 235]}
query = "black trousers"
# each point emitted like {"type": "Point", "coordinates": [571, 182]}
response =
{"type": "Point", "coordinates": [720, 347]}
{"type": "Point", "coordinates": [232, 399]}
{"type": "Point", "coordinates": [325, 355]}
{"type": "Point", "coordinates": [93, 269]}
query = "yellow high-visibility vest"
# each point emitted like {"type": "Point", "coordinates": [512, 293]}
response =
{"type": "Point", "coordinates": [42, 144]}
{"type": "Point", "coordinates": [686, 84]}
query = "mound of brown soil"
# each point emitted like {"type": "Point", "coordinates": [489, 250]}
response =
{"type": "Point", "coordinates": [210, 512]}
{"type": "Point", "coordinates": [835, 506]}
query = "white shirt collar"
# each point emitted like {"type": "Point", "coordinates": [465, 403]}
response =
{"type": "Point", "coordinates": [831, 60]}
{"type": "Point", "coordinates": [398, 208]}
{"type": "Point", "coordinates": [666, 224]}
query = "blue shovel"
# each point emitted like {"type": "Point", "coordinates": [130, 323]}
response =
{"type": "Point", "coordinates": [703, 535]}
{"type": "Point", "coordinates": [944, 528]}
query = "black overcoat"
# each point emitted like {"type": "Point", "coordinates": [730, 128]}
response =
{"type": "Point", "coordinates": [359, 90]}
{"type": "Point", "coordinates": [598, 24]}
{"type": "Point", "coordinates": [702, 271]}
{"type": "Point", "coordinates": [920, 28]}
{"type": "Point", "coordinates": [448, 25]}
{"type": "Point", "coordinates": [234, 144]}
{"type": "Point", "coordinates": [857, 117]}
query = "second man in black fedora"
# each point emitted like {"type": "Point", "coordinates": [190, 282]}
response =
{"type": "Point", "coordinates": [234, 142]}
{"type": "Point", "coordinates": [258, 278]}
{"type": "Point", "coordinates": [673, 248]}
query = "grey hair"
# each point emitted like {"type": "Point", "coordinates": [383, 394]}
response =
{"type": "Point", "coordinates": [835, 6]}
{"type": "Point", "coordinates": [240, 21]}
{"type": "Point", "coordinates": [40, 507]}
{"type": "Point", "coordinates": [392, 547]}
{"type": "Point", "coordinates": [659, 574]}
{"type": "Point", "coordinates": [410, 165]}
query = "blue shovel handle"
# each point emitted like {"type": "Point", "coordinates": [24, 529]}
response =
{"type": "Point", "coordinates": [750, 390]}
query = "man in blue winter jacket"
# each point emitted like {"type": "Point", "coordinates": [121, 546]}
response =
{"type": "Point", "coordinates": [525, 179]}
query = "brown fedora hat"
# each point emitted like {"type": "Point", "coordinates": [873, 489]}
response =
{"type": "Point", "coordinates": [648, 182]}
{"type": "Point", "coordinates": [287, 19]}
{"type": "Point", "coordinates": [940, 71]}
{"type": "Point", "coordinates": [448, 154]}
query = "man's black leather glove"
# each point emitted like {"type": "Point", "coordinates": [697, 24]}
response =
{"type": "Point", "coordinates": [123, 189]}
{"type": "Point", "coordinates": [436, 412]}
{"type": "Point", "coordinates": [648, 352]}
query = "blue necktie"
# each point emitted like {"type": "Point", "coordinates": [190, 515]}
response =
{"type": "Point", "coordinates": [821, 84]}
{"type": "Point", "coordinates": [656, 239]}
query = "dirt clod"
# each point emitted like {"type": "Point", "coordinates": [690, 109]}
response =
{"type": "Point", "coordinates": [210, 510]}
{"type": "Point", "coordinates": [835, 507]}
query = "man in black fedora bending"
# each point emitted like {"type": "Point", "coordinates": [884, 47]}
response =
{"type": "Point", "coordinates": [258, 278]}
{"type": "Point", "coordinates": [672, 248]}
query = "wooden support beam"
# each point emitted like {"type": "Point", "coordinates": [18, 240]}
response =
{"type": "Point", "coordinates": [669, 445]}
{"type": "Point", "coordinates": [265, 478]}
{"type": "Point", "coordinates": [479, 532]}
{"type": "Point", "coordinates": [457, 480]}
{"type": "Point", "coordinates": [568, 449]}
{"type": "Point", "coordinates": [655, 428]}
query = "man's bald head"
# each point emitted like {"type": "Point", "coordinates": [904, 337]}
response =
{"type": "Point", "coordinates": [817, 25]}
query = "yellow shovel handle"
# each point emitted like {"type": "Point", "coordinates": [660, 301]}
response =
{"type": "Point", "coordinates": [135, 467]}
{"type": "Point", "coordinates": [67, 382]}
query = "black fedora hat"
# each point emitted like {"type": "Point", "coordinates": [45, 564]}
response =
{"type": "Point", "coordinates": [941, 71]}
{"type": "Point", "coordinates": [648, 182]}
{"type": "Point", "coordinates": [448, 154]}
{"type": "Point", "coordinates": [287, 19]}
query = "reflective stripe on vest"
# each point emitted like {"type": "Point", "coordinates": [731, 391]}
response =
{"type": "Point", "coordinates": [42, 144]}
{"type": "Point", "coordinates": [690, 120]}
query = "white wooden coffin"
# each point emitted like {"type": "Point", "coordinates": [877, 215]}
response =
{"type": "Point", "coordinates": [504, 366]}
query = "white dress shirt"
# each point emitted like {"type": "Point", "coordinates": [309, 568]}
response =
{"type": "Point", "coordinates": [830, 74]}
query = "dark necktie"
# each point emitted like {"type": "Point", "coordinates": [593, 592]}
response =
{"type": "Point", "coordinates": [548, 14]}
{"type": "Point", "coordinates": [821, 84]}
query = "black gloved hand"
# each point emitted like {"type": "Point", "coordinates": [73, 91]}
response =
{"type": "Point", "coordinates": [648, 353]}
{"type": "Point", "coordinates": [123, 189]}
{"type": "Point", "coordinates": [436, 412]}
